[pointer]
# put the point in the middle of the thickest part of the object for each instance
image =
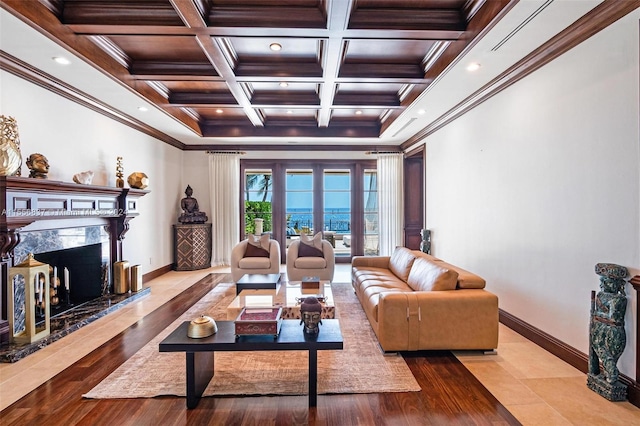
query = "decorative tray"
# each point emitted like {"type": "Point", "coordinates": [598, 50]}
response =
{"type": "Point", "coordinates": [257, 321]}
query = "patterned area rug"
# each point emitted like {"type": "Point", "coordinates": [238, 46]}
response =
{"type": "Point", "coordinates": [359, 368]}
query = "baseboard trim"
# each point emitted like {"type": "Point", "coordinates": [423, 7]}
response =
{"type": "Point", "coordinates": [568, 354]}
{"type": "Point", "coordinates": [156, 273]}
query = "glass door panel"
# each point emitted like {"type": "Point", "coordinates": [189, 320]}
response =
{"type": "Point", "coordinates": [258, 194]}
{"type": "Point", "coordinates": [337, 210]}
{"type": "Point", "coordinates": [299, 203]}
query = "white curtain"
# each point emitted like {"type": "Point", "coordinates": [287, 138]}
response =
{"type": "Point", "coordinates": [390, 201]}
{"type": "Point", "coordinates": [224, 182]}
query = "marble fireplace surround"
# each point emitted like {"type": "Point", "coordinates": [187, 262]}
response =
{"type": "Point", "coordinates": [29, 206]}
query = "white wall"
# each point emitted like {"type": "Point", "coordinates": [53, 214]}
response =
{"type": "Point", "coordinates": [75, 139]}
{"type": "Point", "coordinates": [535, 186]}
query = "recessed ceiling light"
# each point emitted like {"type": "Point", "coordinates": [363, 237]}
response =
{"type": "Point", "coordinates": [143, 109]}
{"type": "Point", "coordinates": [474, 66]}
{"type": "Point", "coordinates": [421, 111]}
{"type": "Point", "coordinates": [284, 84]}
{"type": "Point", "coordinates": [275, 47]}
{"type": "Point", "coordinates": [60, 60]}
{"type": "Point", "coordinates": [219, 111]}
{"type": "Point", "coordinates": [358, 112]}
{"type": "Point", "coordinates": [289, 112]}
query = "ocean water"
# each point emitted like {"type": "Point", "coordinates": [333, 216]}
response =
{"type": "Point", "coordinates": [338, 220]}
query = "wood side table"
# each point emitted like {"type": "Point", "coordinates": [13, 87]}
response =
{"type": "Point", "coordinates": [192, 246]}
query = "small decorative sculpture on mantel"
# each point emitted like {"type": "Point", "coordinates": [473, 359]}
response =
{"type": "Point", "coordinates": [119, 173]}
{"type": "Point", "coordinates": [39, 166]}
{"type": "Point", "coordinates": [190, 210]}
{"type": "Point", "coordinates": [10, 156]}
{"type": "Point", "coordinates": [607, 338]}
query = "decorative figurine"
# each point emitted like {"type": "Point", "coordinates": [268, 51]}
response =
{"type": "Point", "coordinates": [119, 170]}
{"type": "Point", "coordinates": [83, 178]}
{"type": "Point", "coordinates": [191, 212]}
{"type": "Point", "coordinates": [138, 180]}
{"type": "Point", "coordinates": [607, 338]}
{"type": "Point", "coordinates": [310, 315]}
{"type": "Point", "coordinates": [10, 156]}
{"type": "Point", "coordinates": [39, 166]}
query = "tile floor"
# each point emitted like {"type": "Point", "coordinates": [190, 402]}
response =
{"type": "Point", "coordinates": [536, 387]}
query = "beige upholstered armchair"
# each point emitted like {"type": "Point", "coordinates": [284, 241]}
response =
{"type": "Point", "coordinates": [245, 261]}
{"type": "Point", "coordinates": [313, 266]}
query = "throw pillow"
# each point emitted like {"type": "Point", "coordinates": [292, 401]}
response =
{"type": "Point", "coordinates": [400, 262]}
{"type": "Point", "coordinates": [316, 241]}
{"type": "Point", "coordinates": [253, 251]}
{"type": "Point", "coordinates": [306, 250]}
{"type": "Point", "coordinates": [261, 241]}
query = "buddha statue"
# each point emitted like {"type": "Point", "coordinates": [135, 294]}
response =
{"type": "Point", "coordinates": [190, 210]}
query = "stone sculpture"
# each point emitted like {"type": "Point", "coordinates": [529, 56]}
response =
{"type": "Point", "coordinates": [607, 338]}
{"type": "Point", "coordinates": [84, 178]}
{"type": "Point", "coordinates": [190, 210]}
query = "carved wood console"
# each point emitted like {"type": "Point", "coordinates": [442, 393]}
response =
{"type": "Point", "coordinates": [28, 204]}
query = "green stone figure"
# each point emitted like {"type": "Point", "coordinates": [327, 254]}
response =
{"type": "Point", "coordinates": [607, 338]}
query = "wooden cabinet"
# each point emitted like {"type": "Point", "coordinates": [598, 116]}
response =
{"type": "Point", "coordinates": [192, 246]}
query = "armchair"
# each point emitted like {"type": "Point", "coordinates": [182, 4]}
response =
{"type": "Point", "coordinates": [241, 264]}
{"type": "Point", "coordinates": [316, 266]}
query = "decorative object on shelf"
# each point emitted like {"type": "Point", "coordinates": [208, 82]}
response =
{"type": "Point", "coordinates": [10, 156]}
{"type": "Point", "coordinates": [39, 166]}
{"type": "Point", "coordinates": [425, 243]}
{"type": "Point", "coordinates": [119, 173]}
{"type": "Point", "coordinates": [201, 327]}
{"type": "Point", "coordinates": [190, 210]}
{"type": "Point", "coordinates": [136, 278]}
{"type": "Point", "coordinates": [29, 305]}
{"type": "Point", "coordinates": [83, 178]}
{"type": "Point", "coordinates": [55, 283]}
{"type": "Point", "coordinates": [121, 278]}
{"type": "Point", "coordinates": [310, 315]}
{"type": "Point", "coordinates": [138, 180]}
{"type": "Point", "coordinates": [259, 321]}
{"type": "Point", "coordinates": [607, 338]}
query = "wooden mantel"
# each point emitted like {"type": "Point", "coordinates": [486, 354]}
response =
{"type": "Point", "coordinates": [29, 204]}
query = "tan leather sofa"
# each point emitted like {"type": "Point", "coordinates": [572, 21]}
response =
{"type": "Point", "coordinates": [415, 301]}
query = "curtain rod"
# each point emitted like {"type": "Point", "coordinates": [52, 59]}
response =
{"type": "Point", "coordinates": [383, 152]}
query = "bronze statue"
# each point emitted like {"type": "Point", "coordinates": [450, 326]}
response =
{"type": "Point", "coordinates": [310, 315]}
{"type": "Point", "coordinates": [190, 210]}
{"type": "Point", "coordinates": [39, 166]}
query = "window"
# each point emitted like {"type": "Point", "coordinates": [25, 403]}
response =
{"type": "Point", "coordinates": [257, 201]}
{"type": "Point", "coordinates": [337, 209]}
{"type": "Point", "coordinates": [370, 234]}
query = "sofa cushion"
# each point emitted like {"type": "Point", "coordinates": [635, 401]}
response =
{"type": "Point", "coordinates": [253, 251]}
{"type": "Point", "coordinates": [315, 241]}
{"type": "Point", "coordinates": [306, 250]}
{"type": "Point", "coordinates": [260, 241]}
{"type": "Point", "coordinates": [430, 276]}
{"type": "Point", "coordinates": [400, 262]}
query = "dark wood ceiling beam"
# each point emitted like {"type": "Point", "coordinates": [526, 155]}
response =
{"type": "Point", "coordinates": [118, 12]}
{"type": "Point", "coordinates": [166, 68]}
{"type": "Point", "coordinates": [268, 16]}
{"type": "Point", "coordinates": [202, 98]}
{"type": "Point", "coordinates": [293, 131]}
{"type": "Point", "coordinates": [367, 98]}
{"type": "Point", "coordinates": [275, 70]}
{"type": "Point", "coordinates": [284, 98]}
{"type": "Point", "coordinates": [408, 19]}
{"type": "Point", "coordinates": [219, 61]}
{"type": "Point", "coordinates": [382, 71]}
{"type": "Point", "coordinates": [355, 147]}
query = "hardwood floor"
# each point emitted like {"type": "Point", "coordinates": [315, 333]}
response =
{"type": "Point", "coordinates": [450, 394]}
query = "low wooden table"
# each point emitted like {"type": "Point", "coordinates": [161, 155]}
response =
{"type": "Point", "coordinates": [255, 281]}
{"type": "Point", "coordinates": [200, 352]}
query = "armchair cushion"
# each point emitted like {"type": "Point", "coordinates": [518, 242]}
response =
{"type": "Point", "coordinates": [253, 251]}
{"type": "Point", "coordinates": [306, 250]}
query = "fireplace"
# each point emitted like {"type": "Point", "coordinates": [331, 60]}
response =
{"type": "Point", "coordinates": [66, 225]}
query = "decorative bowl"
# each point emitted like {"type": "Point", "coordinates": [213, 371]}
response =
{"type": "Point", "coordinates": [202, 326]}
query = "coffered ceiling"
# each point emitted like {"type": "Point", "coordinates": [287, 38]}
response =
{"type": "Point", "coordinates": [261, 72]}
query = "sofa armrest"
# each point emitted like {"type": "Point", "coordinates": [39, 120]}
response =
{"type": "Point", "coordinates": [371, 261]}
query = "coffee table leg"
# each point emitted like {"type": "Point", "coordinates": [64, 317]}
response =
{"type": "Point", "coordinates": [199, 374]}
{"type": "Point", "coordinates": [313, 377]}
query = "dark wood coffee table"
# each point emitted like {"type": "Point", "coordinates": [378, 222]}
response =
{"type": "Point", "coordinates": [200, 352]}
{"type": "Point", "coordinates": [255, 281]}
